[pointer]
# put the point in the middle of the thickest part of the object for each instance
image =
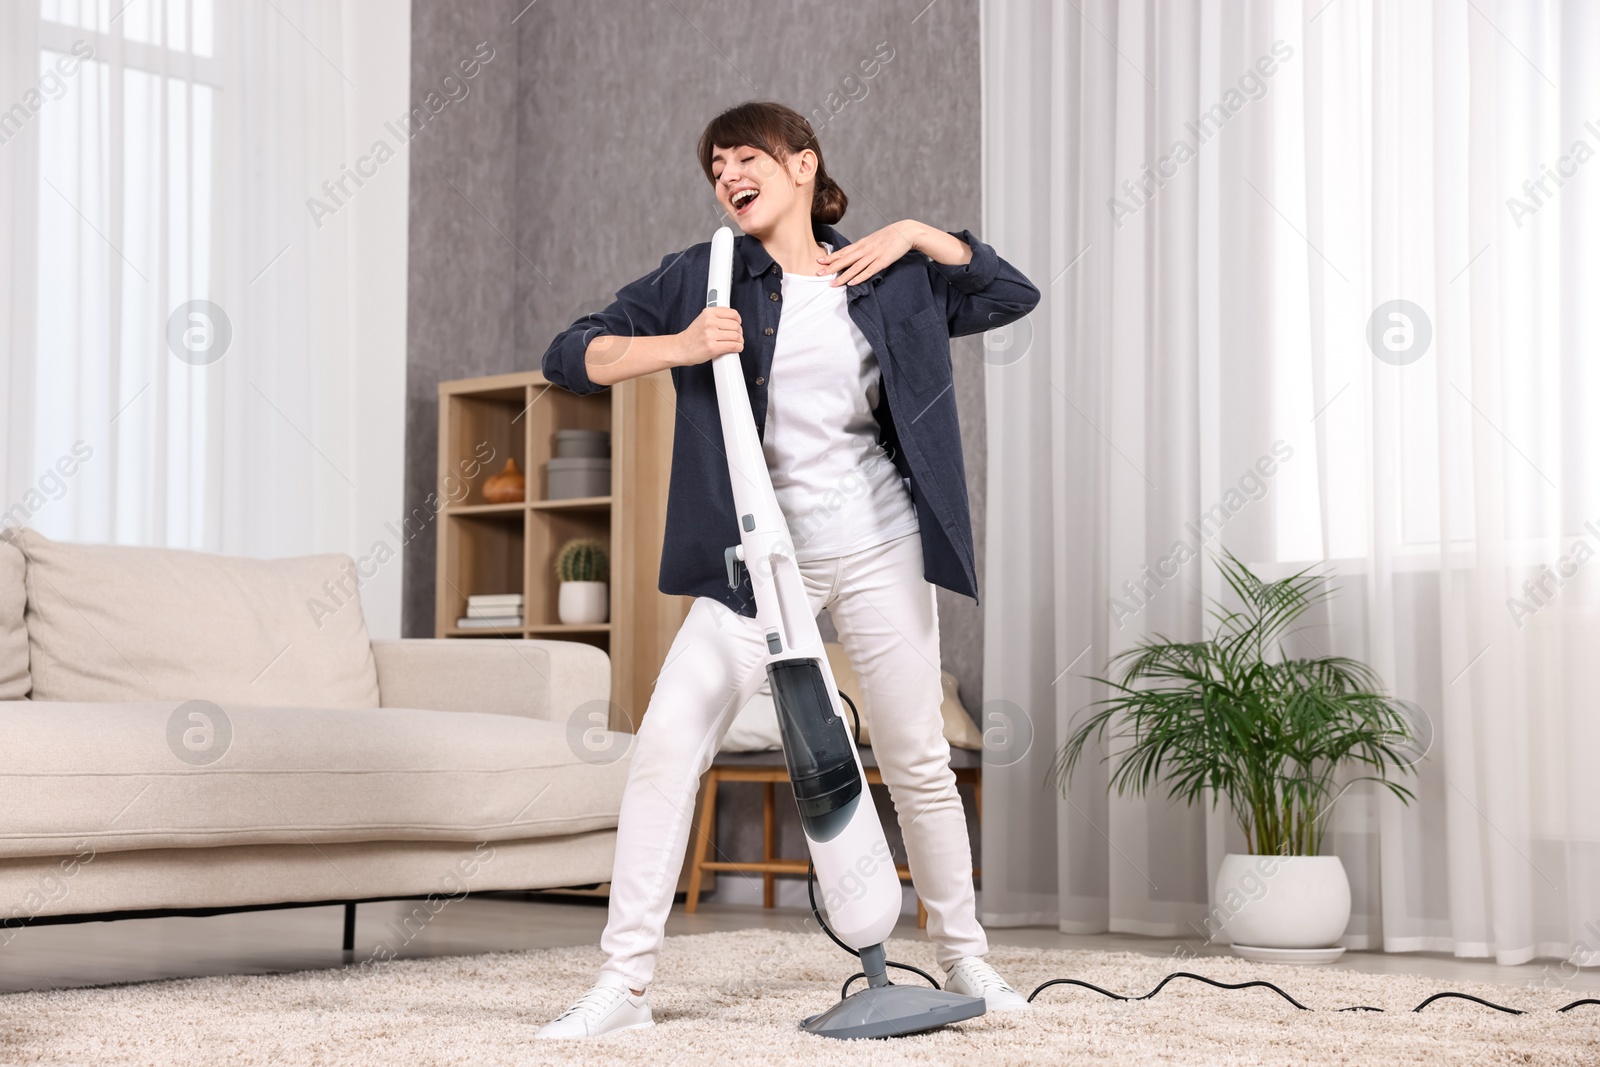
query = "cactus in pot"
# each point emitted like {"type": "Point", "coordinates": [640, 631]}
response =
{"type": "Point", "coordinates": [584, 570]}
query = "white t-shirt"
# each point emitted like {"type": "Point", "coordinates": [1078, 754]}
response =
{"type": "Point", "coordinates": [837, 488]}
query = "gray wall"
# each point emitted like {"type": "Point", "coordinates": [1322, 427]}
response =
{"type": "Point", "coordinates": [463, 280]}
{"type": "Point", "coordinates": [569, 169]}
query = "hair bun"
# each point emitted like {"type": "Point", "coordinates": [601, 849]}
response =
{"type": "Point", "coordinates": [828, 201]}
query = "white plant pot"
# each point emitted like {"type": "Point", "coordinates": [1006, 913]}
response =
{"type": "Point", "coordinates": [581, 603]}
{"type": "Point", "coordinates": [1281, 902]}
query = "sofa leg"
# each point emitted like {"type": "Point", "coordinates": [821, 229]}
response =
{"type": "Point", "coordinates": [349, 930]}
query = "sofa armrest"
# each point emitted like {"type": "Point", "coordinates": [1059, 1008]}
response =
{"type": "Point", "coordinates": [538, 679]}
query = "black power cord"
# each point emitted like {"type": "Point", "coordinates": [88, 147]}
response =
{"type": "Point", "coordinates": [811, 878]}
{"type": "Point", "coordinates": [1268, 985]}
{"type": "Point", "coordinates": [854, 714]}
{"type": "Point", "coordinates": [811, 881]}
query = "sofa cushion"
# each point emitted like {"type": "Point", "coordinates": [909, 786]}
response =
{"type": "Point", "coordinates": [112, 777]}
{"type": "Point", "coordinates": [113, 622]}
{"type": "Point", "coordinates": [14, 682]}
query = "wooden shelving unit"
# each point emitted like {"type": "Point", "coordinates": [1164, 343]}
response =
{"type": "Point", "coordinates": [510, 548]}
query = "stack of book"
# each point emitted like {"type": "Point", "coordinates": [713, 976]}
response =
{"type": "Point", "coordinates": [493, 611]}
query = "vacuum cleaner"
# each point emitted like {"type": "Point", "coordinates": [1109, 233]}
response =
{"type": "Point", "coordinates": [852, 861]}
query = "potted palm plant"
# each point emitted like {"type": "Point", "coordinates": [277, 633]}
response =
{"type": "Point", "coordinates": [1270, 733]}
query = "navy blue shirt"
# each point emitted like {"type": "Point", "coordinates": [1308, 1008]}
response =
{"type": "Point", "coordinates": [908, 312]}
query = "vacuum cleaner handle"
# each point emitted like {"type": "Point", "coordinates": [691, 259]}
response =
{"type": "Point", "coordinates": [720, 278]}
{"type": "Point", "coordinates": [855, 869]}
{"type": "Point", "coordinates": [764, 532]}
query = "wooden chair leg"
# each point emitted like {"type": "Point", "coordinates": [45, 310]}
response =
{"type": "Point", "coordinates": [708, 829]}
{"type": "Point", "coordinates": [769, 820]}
{"type": "Point", "coordinates": [922, 915]}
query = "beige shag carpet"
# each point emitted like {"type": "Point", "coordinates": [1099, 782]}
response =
{"type": "Point", "coordinates": [735, 998]}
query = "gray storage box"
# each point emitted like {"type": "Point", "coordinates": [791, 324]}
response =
{"type": "Point", "coordinates": [583, 476]}
{"type": "Point", "coordinates": [583, 444]}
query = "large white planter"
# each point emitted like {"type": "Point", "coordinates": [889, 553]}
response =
{"type": "Point", "coordinates": [582, 602]}
{"type": "Point", "coordinates": [1281, 902]}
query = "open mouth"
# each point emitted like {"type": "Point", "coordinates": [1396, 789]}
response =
{"type": "Point", "coordinates": [742, 199]}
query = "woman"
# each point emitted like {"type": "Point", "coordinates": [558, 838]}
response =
{"type": "Point", "coordinates": [865, 458]}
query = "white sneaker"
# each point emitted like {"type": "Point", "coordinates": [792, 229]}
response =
{"type": "Point", "coordinates": [971, 977]}
{"type": "Point", "coordinates": [607, 1008]}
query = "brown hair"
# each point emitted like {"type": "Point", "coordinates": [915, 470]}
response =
{"type": "Point", "coordinates": [778, 131]}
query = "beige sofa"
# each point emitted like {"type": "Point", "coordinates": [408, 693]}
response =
{"type": "Point", "coordinates": [186, 731]}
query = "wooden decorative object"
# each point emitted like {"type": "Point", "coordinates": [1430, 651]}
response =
{"type": "Point", "coordinates": [506, 487]}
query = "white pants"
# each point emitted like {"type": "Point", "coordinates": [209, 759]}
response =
{"type": "Point", "coordinates": [887, 619]}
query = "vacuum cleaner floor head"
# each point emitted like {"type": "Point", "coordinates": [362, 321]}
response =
{"type": "Point", "coordinates": [893, 1011]}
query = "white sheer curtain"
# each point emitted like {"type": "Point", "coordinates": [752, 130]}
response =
{"type": "Point", "coordinates": [1212, 313]}
{"type": "Point", "coordinates": [19, 167]}
{"type": "Point", "coordinates": [182, 333]}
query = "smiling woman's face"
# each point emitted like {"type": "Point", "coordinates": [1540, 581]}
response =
{"type": "Point", "coordinates": [757, 191]}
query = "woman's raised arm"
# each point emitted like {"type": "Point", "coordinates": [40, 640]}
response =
{"type": "Point", "coordinates": [612, 358]}
{"type": "Point", "coordinates": [638, 333]}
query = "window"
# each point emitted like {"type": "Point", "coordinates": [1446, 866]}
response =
{"type": "Point", "coordinates": [1491, 236]}
{"type": "Point", "coordinates": [125, 236]}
